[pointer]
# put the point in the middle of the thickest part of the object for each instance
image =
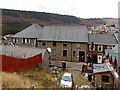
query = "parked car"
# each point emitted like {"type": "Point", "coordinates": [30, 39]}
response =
{"type": "Point", "coordinates": [67, 80]}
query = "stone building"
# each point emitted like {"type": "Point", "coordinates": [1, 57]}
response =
{"type": "Point", "coordinates": [113, 58]}
{"type": "Point", "coordinates": [102, 76]}
{"type": "Point", "coordinates": [68, 43]}
{"type": "Point", "coordinates": [101, 42]}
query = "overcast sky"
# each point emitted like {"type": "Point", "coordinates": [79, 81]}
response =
{"type": "Point", "coordinates": [79, 8]}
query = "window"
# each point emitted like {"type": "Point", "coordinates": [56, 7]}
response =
{"type": "Point", "coordinates": [54, 52]}
{"type": "Point", "coordinates": [100, 48]}
{"type": "Point", "coordinates": [23, 40]}
{"type": "Point", "coordinates": [73, 53]}
{"type": "Point", "coordinates": [14, 40]}
{"type": "Point", "coordinates": [64, 52]}
{"type": "Point", "coordinates": [109, 47]}
{"type": "Point", "coordinates": [35, 43]}
{"type": "Point", "coordinates": [26, 40]}
{"type": "Point", "coordinates": [54, 43]}
{"type": "Point", "coordinates": [64, 44]}
{"type": "Point", "coordinates": [43, 44]}
{"type": "Point", "coordinates": [90, 49]}
{"type": "Point", "coordinates": [105, 78]}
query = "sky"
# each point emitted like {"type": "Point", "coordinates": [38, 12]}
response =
{"type": "Point", "coordinates": [78, 8]}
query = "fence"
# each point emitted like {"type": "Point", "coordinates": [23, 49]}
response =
{"type": "Point", "coordinates": [12, 64]}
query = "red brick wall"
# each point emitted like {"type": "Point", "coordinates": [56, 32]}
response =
{"type": "Point", "coordinates": [11, 64]}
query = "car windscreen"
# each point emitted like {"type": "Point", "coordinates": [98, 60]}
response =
{"type": "Point", "coordinates": [66, 78]}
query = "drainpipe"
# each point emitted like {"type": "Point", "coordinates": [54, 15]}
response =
{"type": "Point", "coordinates": [71, 51]}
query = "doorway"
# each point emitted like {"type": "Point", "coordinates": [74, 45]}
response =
{"type": "Point", "coordinates": [81, 56]}
{"type": "Point", "coordinates": [94, 58]}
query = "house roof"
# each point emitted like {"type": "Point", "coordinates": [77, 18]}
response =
{"type": "Point", "coordinates": [30, 32]}
{"type": "Point", "coordinates": [100, 68]}
{"type": "Point", "coordinates": [105, 68]}
{"type": "Point", "coordinates": [119, 36]}
{"type": "Point", "coordinates": [105, 39]}
{"type": "Point", "coordinates": [55, 33]}
{"type": "Point", "coordinates": [20, 52]}
{"type": "Point", "coordinates": [115, 53]}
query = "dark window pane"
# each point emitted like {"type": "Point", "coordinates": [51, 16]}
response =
{"type": "Point", "coordinates": [64, 52]}
{"type": "Point", "coordinates": [105, 78]}
{"type": "Point", "coordinates": [73, 53]}
{"type": "Point", "coordinates": [43, 43]}
{"type": "Point", "coordinates": [54, 43]}
{"type": "Point", "coordinates": [64, 45]}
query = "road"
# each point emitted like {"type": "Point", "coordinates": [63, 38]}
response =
{"type": "Point", "coordinates": [75, 68]}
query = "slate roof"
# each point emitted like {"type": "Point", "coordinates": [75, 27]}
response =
{"type": "Point", "coordinates": [115, 53]}
{"type": "Point", "coordinates": [30, 32]}
{"type": "Point", "coordinates": [105, 39]}
{"type": "Point", "coordinates": [20, 52]}
{"type": "Point", "coordinates": [55, 33]}
{"type": "Point", "coordinates": [119, 36]}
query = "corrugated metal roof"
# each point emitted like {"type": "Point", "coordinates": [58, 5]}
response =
{"type": "Point", "coordinates": [105, 39]}
{"type": "Point", "coordinates": [100, 68]}
{"type": "Point", "coordinates": [55, 33]}
{"type": "Point", "coordinates": [20, 52]}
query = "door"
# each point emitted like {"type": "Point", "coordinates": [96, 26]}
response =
{"type": "Point", "coordinates": [99, 58]}
{"type": "Point", "coordinates": [94, 58]}
{"type": "Point", "coordinates": [81, 56]}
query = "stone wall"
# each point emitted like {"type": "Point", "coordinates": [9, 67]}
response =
{"type": "Point", "coordinates": [70, 48]}
{"type": "Point", "coordinates": [98, 80]}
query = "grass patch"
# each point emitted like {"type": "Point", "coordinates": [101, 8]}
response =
{"type": "Point", "coordinates": [84, 81]}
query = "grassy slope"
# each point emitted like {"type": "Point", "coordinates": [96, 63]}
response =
{"type": "Point", "coordinates": [39, 78]}
{"type": "Point", "coordinates": [33, 77]}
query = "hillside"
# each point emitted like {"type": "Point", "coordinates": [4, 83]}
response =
{"type": "Point", "coordinates": [15, 20]}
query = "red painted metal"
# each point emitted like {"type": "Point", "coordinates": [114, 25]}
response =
{"type": "Point", "coordinates": [92, 53]}
{"type": "Point", "coordinates": [11, 64]}
{"type": "Point", "coordinates": [102, 72]}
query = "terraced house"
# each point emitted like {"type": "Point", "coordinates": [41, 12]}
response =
{"type": "Point", "coordinates": [101, 42]}
{"type": "Point", "coordinates": [68, 43]}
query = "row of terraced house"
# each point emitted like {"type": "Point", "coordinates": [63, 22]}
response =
{"type": "Point", "coordinates": [67, 43]}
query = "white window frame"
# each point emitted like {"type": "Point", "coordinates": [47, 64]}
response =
{"type": "Point", "coordinates": [100, 46]}
{"type": "Point", "coordinates": [22, 39]}
{"type": "Point", "coordinates": [14, 39]}
{"type": "Point", "coordinates": [99, 60]}
{"type": "Point", "coordinates": [109, 47]}
{"type": "Point", "coordinates": [90, 47]}
{"type": "Point", "coordinates": [25, 40]}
